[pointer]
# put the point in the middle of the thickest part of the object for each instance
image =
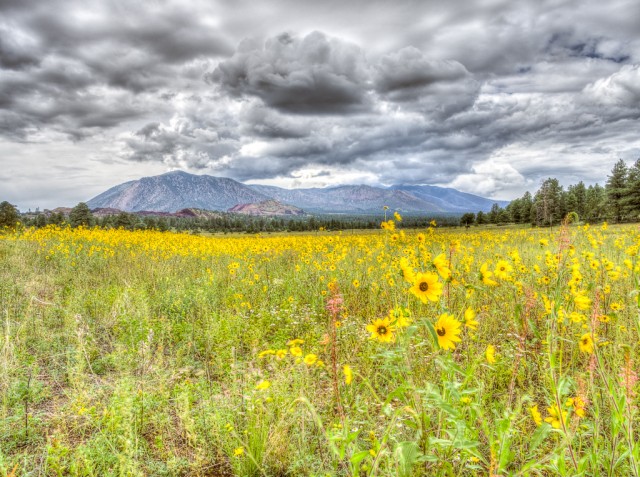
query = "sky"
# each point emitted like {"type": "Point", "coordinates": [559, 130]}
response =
{"type": "Point", "coordinates": [489, 97]}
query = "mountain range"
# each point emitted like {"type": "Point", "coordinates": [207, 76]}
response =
{"type": "Point", "coordinates": [180, 190]}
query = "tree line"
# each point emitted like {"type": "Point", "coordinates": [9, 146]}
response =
{"type": "Point", "coordinates": [618, 201]}
{"type": "Point", "coordinates": [222, 222]}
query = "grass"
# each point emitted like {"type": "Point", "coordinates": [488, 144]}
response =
{"type": "Point", "coordinates": [147, 353]}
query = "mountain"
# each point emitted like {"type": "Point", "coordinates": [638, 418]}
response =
{"type": "Point", "coordinates": [350, 199]}
{"type": "Point", "coordinates": [451, 199]}
{"type": "Point", "coordinates": [176, 190]}
{"type": "Point", "coordinates": [179, 190]}
{"type": "Point", "coordinates": [265, 208]}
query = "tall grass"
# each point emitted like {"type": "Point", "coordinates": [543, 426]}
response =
{"type": "Point", "coordinates": [148, 353]}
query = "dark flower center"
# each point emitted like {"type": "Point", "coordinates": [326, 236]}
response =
{"type": "Point", "coordinates": [441, 331]}
{"type": "Point", "coordinates": [382, 330]}
{"type": "Point", "coordinates": [424, 286]}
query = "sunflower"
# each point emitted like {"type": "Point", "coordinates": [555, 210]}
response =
{"type": "Point", "coordinates": [400, 317]}
{"type": "Point", "coordinates": [381, 330]}
{"type": "Point", "coordinates": [407, 272]}
{"type": "Point", "coordinates": [503, 269]}
{"type": "Point", "coordinates": [470, 319]}
{"type": "Point", "coordinates": [586, 343]}
{"type": "Point", "coordinates": [582, 302]}
{"type": "Point", "coordinates": [485, 275]}
{"type": "Point", "coordinates": [442, 265]}
{"type": "Point", "coordinates": [348, 374]}
{"type": "Point", "coordinates": [535, 414]}
{"type": "Point", "coordinates": [576, 317]}
{"type": "Point", "coordinates": [426, 287]}
{"type": "Point", "coordinates": [578, 404]}
{"type": "Point", "coordinates": [556, 417]}
{"type": "Point", "coordinates": [616, 306]}
{"type": "Point", "coordinates": [310, 359]}
{"type": "Point", "coordinates": [490, 354]}
{"type": "Point", "coordinates": [447, 329]}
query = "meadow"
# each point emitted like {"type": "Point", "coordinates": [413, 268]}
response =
{"type": "Point", "coordinates": [433, 352]}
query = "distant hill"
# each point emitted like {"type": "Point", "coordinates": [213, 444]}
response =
{"type": "Point", "coordinates": [266, 208]}
{"type": "Point", "coordinates": [350, 199]}
{"type": "Point", "coordinates": [178, 190]}
{"type": "Point", "coordinates": [451, 199]}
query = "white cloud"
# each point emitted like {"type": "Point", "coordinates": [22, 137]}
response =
{"type": "Point", "coordinates": [490, 178]}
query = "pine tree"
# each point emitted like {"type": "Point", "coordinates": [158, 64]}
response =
{"type": "Point", "coordinates": [595, 202]}
{"type": "Point", "coordinates": [40, 221]}
{"type": "Point", "coordinates": [616, 189]}
{"type": "Point", "coordinates": [577, 199]}
{"type": "Point", "coordinates": [631, 200]}
{"type": "Point", "coordinates": [468, 219]}
{"type": "Point", "coordinates": [9, 215]}
{"type": "Point", "coordinates": [493, 214]}
{"type": "Point", "coordinates": [549, 205]}
{"type": "Point", "coordinates": [80, 215]}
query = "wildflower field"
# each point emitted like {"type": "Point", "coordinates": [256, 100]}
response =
{"type": "Point", "coordinates": [435, 352]}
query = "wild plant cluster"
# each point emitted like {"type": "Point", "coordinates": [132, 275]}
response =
{"type": "Point", "coordinates": [433, 352]}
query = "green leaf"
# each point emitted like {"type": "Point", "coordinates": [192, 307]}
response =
{"type": "Point", "coordinates": [538, 436]}
{"type": "Point", "coordinates": [359, 457]}
{"type": "Point", "coordinates": [432, 330]}
{"type": "Point", "coordinates": [406, 455]}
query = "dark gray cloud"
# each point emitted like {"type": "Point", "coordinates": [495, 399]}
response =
{"type": "Point", "coordinates": [489, 97]}
{"type": "Point", "coordinates": [310, 75]}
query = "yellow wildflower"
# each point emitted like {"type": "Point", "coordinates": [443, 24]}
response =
{"type": "Point", "coordinates": [442, 265]}
{"type": "Point", "coordinates": [348, 374]}
{"type": "Point", "coordinates": [447, 330]}
{"type": "Point", "coordinates": [490, 354]}
{"type": "Point", "coordinates": [586, 343]}
{"type": "Point", "coordinates": [578, 405]}
{"type": "Point", "coordinates": [535, 414]}
{"type": "Point", "coordinates": [426, 287]}
{"type": "Point", "coordinates": [556, 417]}
{"type": "Point", "coordinates": [310, 359]}
{"type": "Point", "coordinates": [381, 330]}
{"type": "Point", "coordinates": [503, 269]}
{"type": "Point", "coordinates": [470, 319]}
{"type": "Point", "coordinates": [485, 275]}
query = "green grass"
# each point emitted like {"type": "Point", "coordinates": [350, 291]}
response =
{"type": "Point", "coordinates": [128, 364]}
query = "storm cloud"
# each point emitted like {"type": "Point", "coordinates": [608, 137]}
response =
{"type": "Point", "coordinates": [310, 75]}
{"type": "Point", "coordinates": [488, 98]}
